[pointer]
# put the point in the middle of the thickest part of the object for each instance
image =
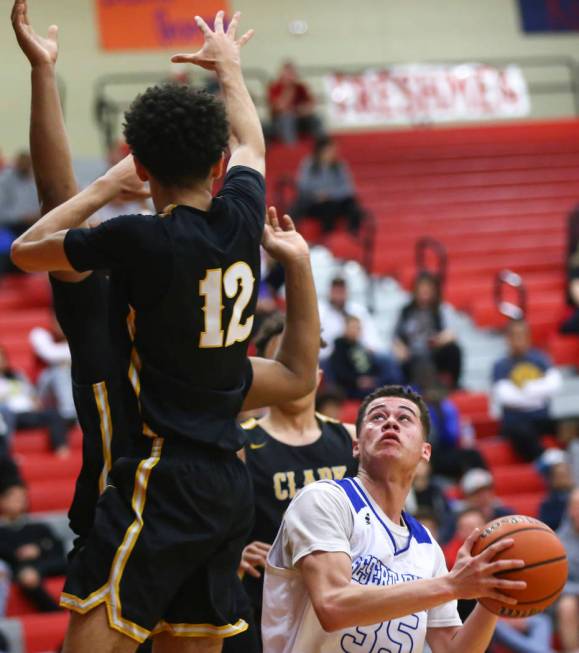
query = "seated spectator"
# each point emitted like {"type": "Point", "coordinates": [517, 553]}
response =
{"type": "Point", "coordinates": [531, 635]}
{"type": "Point", "coordinates": [571, 324]}
{"type": "Point", "coordinates": [355, 369]}
{"type": "Point", "coordinates": [524, 383]}
{"type": "Point", "coordinates": [466, 522]}
{"type": "Point", "coordinates": [452, 455]}
{"type": "Point", "coordinates": [268, 298]}
{"type": "Point", "coordinates": [421, 336]}
{"type": "Point", "coordinates": [292, 107]}
{"type": "Point", "coordinates": [55, 382]}
{"type": "Point", "coordinates": [326, 189]}
{"type": "Point", "coordinates": [22, 410]}
{"type": "Point", "coordinates": [478, 488]}
{"type": "Point", "coordinates": [330, 402]}
{"type": "Point", "coordinates": [427, 494]}
{"type": "Point", "coordinates": [557, 470]}
{"type": "Point", "coordinates": [19, 206]}
{"type": "Point", "coordinates": [333, 315]}
{"type": "Point", "coordinates": [30, 548]}
{"type": "Point", "coordinates": [568, 605]}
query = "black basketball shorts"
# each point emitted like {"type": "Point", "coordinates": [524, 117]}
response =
{"type": "Point", "coordinates": [165, 547]}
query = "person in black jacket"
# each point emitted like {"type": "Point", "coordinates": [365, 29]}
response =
{"type": "Point", "coordinates": [422, 337]}
{"type": "Point", "coordinates": [30, 548]}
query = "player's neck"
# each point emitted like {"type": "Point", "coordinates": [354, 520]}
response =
{"type": "Point", "coordinates": [198, 197]}
{"type": "Point", "coordinates": [293, 428]}
{"type": "Point", "coordinates": [388, 490]}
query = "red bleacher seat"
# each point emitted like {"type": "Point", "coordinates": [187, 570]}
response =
{"type": "Point", "coordinates": [524, 504]}
{"type": "Point", "coordinates": [513, 478]}
{"type": "Point", "coordinates": [51, 495]}
{"type": "Point", "coordinates": [471, 403]}
{"type": "Point", "coordinates": [45, 466]}
{"type": "Point", "coordinates": [564, 349]}
{"type": "Point", "coordinates": [37, 441]}
{"type": "Point", "coordinates": [44, 632]}
{"type": "Point", "coordinates": [349, 411]}
{"type": "Point", "coordinates": [19, 605]}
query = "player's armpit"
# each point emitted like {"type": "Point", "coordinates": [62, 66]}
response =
{"type": "Point", "coordinates": [273, 383]}
{"type": "Point", "coordinates": [46, 255]}
{"type": "Point", "coordinates": [439, 639]}
{"type": "Point", "coordinates": [245, 155]}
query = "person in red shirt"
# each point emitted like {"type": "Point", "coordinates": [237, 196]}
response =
{"type": "Point", "coordinates": [292, 105]}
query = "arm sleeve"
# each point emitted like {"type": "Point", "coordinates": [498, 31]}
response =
{"type": "Point", "coordinates": [544, 388]}
{"type": "Point", "coordinates": [507, 394]}
{"type": "Point", "coordinates": [245, 188]}
{"type": "Point", "coordinates": [113, 244]}
{"type": "Point", "coordinates": [44, 346]}
{"type": "Point", "coordinates": [318, 519]}
{"type": "Point", "coordinates": [445, 615]}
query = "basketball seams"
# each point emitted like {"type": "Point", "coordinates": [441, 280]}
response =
{"type": "Point", "coordinates": [531, 566]}
{"type": "Point", "coordinates": [515, 532]}
{"type": "Point", "coordinates": [544, 598]}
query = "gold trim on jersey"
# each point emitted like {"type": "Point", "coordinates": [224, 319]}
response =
{"type": "Point", "coordinates": [109, 593]}
{"type": "Point", "coordinates": [201, 630]}
{"type": "Point", "coordinates": [330, 420]}
{"type": "Point", "coordinates": [102, 401]}
{"type": "Point", "coordinates": [249, 424]}
{"type": "Point", "coordinates": [166, 212]}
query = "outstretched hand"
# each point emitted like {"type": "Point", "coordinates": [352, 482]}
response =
{"type": "Point", "coordinates": [124, 175]}
{"type": "Point", "coordinates": [220, 46]}
{"type": "Point", "coordinates": [281, 240]}
{"type": "Point", "coordinates": [39, 50]}
{"type": "Point", "coordinates": [476, 577]}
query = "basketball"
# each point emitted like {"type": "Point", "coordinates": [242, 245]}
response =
{"type": "Point", "coordinates": [545, 570]}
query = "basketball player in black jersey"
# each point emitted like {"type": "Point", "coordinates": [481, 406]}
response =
{"type": "Point", "coordinates": [291, 446]}
{"type": "Point", "coordinates": [195, 496]}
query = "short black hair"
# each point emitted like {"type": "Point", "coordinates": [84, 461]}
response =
{"type": "Point", "coordinates": [176, 132]}
{"type": "Point", "coordinates": [404, 392]}
{"type": "Point", "coordinates": [271, 327]}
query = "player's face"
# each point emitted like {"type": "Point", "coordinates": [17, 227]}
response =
{"type": "Point", "coordinates": [392, 431]}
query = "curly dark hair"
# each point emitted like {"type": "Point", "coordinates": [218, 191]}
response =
{"type": "Point", "coordinates": [271, 327]}
{"type": "Point", "coordinates": [176, 132]}
{"type": "Point", "coordinates": [404, 392]}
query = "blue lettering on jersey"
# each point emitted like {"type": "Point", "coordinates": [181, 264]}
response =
{"type": "Point", "coordinates": [368, 570]}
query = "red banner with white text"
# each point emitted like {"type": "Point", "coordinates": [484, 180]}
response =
{"type": "Point", "coordinates": [414, 94]}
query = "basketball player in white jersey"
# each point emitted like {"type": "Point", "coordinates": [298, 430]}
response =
{"type": "Point", "coordinates": [351, 572]}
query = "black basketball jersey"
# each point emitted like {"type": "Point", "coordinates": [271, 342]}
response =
{"type": "Point", "coordinates": [193, 279]}
{"type": "Point", "coordinates": [105, 403]}
{"type": "Point", "coordinates": [279, 470]}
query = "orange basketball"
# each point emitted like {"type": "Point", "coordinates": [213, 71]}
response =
{"type": "Point", "coordinates": [545, 569]}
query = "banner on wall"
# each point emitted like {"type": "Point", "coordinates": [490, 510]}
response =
{"type": "Point", "coordinates": [549, 15]}
{"type": "Point", "coordinates": [411, 94]}
{"type": "Point", "coordinates": [153, 24]}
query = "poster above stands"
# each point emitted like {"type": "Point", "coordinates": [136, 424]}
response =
{"type": "Point", "coordinates": [153, 24]}
{"type": "Point", "coordinates": [421, 93]}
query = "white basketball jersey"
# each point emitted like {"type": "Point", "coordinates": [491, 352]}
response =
{"type": "Point", "coordinates": [381, 553]}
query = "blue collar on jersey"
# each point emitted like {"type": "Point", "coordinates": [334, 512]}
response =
{"type": "Point", "coordinates": [359, 500]}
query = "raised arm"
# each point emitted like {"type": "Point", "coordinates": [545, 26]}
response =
{"type": "Point", "coordinates": [221, 53]}
{"type": "Point", "coordinates": [293, 372]}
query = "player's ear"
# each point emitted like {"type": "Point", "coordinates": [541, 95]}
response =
{"type": "Point", "coordinates": [426, 451]}
{"type": "Point", "coordinates": [320, 378]}
{"type": "Point", "coordinates": [356, 448]}
{"type": "Point", "coordinates": [219, 168]}
{"type": "Point", "coordinates": [142, 173]}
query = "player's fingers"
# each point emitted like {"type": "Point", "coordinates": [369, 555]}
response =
{"type": "Point", "coordinates": [18, 15]}
{"type": "Point", "coordinates": [246, 37]}
{"type": "Point", "coordinates": [232, 28]}
{"type": "Point", "coordinates": [273, 219]}
{"type": "Point", "coordinates": [470, 540]}
{"type": "Point", "coordinates": [504, 565]}
{"type": "Point", "coordinates": [218, 23]}
{"type": "Point", "coordinates": [185, 58]}
{"type": "Point", "coordinates": [510, 585]}
{"type": "Point", "coordinates": [490, 552]}
{"type": "Point", "coordinates": [203, 26]}
{"type": "Point", "coordinates": [288, 223]}
{"type": "Point", "coordinates": [53, 32]}
{"type": "Point", "coordinates": [248, 569]}
{"type": "Point", "coordinates": [503, 598]}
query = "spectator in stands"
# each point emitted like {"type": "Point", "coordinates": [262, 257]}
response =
{"type": "Point", "coordinates": [268, 298]}
{"type": "Point", "coordinates": [354, 368]}
{"type": "Point", "coordinates": [421, 336]}
{"type": "Point", "coordinates": [452, 455]}
{"type": "Point", "coordinates": [292, 107]}
{"type": "Point", "coordinates": [524, 383]}
{"type": "Point", "coordinates": [478, 489]}
{"type": "Point", "coordinates": [333, 315]}
{"type": "Point", "coordinates": [19, 206]}
{"type": "Point", "coordinates": [531, 635]}
{"type": "Point", "coordinates": [22, 410]}
{"type": "Point", "coordinates": [429, 520]}
{"type": "Point", "coordinates": [54, 383]}
{"type": "Point", "coordinates": [560, 479]}
{"type": "Point", "coordinates": [469, 519]}
{"type": "Point", "coordinates": [326, 189]}
{"type": "Point", "coordinates": [29, 547]}
{"type": "Point", "coordinates": [428, 495]}
{"type": "Point", "coordinates": [571, 324]}
{"type": "Point", "coordinates": [9, 475]}
{"type": "Point", "coordinates": [330, 402]}
{"type": "Point", "coordinates": [568, 605]}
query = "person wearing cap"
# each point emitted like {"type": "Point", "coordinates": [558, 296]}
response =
{"type": "Point", "coordinates": [557, 471]}
{"type": "Point", "coordinates": [478, 488]}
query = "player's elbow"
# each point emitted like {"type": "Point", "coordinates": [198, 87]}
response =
{"type": "Point", "coordinates": [18, 256]}
{"type": "Point", "coordinates": [329, 616]}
